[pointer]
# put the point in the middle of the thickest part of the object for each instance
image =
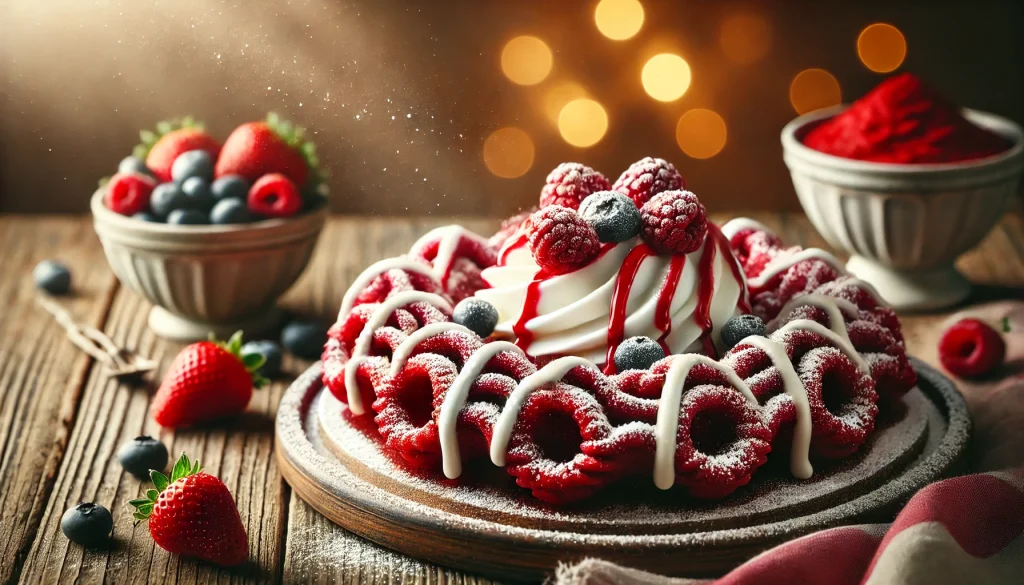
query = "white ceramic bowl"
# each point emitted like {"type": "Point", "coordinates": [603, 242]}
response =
{"type": "Point", "coordinates": [905, 224]}
{"type": "Point", "coordinates": [208, 279]}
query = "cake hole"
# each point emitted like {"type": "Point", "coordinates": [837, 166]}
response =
{"type": "Point", "coordinates": [416, 398]}
{"type": "Point", "coordinates": [557, 436]}
{"type": "Point", "coordinates": [713, 431]}
{"type": "Point", "coordinates": [836, 392]}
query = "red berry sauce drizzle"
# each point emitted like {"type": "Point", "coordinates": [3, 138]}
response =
{"type": "Point", "coordinates": [617, 313]}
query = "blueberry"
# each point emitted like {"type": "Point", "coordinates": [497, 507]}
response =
{"type": "Point", "coordinates": [166, 198]}
{"type": "Point", "coordinates": [197, 193]}
{"type": "Point", "coordinates": [146, 216]}
{"type": "Point", "coordinates": [130, 164]}
{"type": "Point", "coordinates": [637, 353]}
{"type": "Point", "coordinates": [187, 217]}
{"type": "Point", "coordinates": [271, 351]}
{"type": "Point", "coordinates": [87, 524]}
{"type": "Point", "coordinates": [52, 276]}
{"type": "Point", "coordinates": [194, 163]}
{"type": "Point", "coordinates": [230, 211]}
{"type": "Point", "coordinates": [230, 186]}
{"type": "Point", "coordinates": [739, 327]}
{"type": "Point", "coordinates": [613, 215]}
{"type": "Point", "coordinates": [142, 454]}
{"type": "Point", "coordinates": [304, 339]}
{"type": "Point", "coordinates": [477, 315]}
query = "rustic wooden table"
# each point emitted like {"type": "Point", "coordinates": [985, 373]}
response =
{"type": "Point", "coordinates": [62, 419]}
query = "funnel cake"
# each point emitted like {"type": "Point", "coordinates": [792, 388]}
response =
{"type": "Point", "coordinates": [541, 396]}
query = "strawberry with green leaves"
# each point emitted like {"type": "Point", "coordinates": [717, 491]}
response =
{"type": "Point", "coordinates": [255, 149]}
{"type": "Point", "coordinates": [206, 381]}
{"type": "Point", "coordinates": [193, 514]}
{"type": "Point", "coordinates": [173, 138]}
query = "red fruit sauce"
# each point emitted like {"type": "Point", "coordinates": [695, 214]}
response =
{"type": "Point", "coordinates": [904, 121]}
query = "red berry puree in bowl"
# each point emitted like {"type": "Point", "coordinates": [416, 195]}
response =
{"type": "Point", "coordinates": [904, 121]}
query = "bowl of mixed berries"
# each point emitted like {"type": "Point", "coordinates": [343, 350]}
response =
{"type": "Point", "coordinates": [212, 233]}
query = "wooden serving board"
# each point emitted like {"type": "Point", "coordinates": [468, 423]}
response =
{"type": "Point", "coordinates": [336, 463]}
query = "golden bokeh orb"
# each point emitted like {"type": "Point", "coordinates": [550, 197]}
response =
{"type": "Point", "coordinates": [881, 47]}
{"type": "Point", "coordinates": [666, 77]}
{"type": "Point", "coordinates": [582, 122]}
{"type": "Point", "coordinates": [508, 152]}
{"type": "Point", "coordinates": [701, 133]}
{"type": "Point", "coordinates": [526, 60]}
{"type": "Point", "coordinates": [619, 19]}
{"type": "Point", "coordinates": [814, 89]}
{"type": "Point", "coordinates": [745, 37]}
{"type": "Point", "coordinates": [560, 94]}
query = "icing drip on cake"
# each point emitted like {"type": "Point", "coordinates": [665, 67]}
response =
{"type": "Point", "coordinates": [366, 277]}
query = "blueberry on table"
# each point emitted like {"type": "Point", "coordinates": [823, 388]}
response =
{"type": "Point", "coordinates": [637, 353]}
{"type": "Point", "coordinates": [477, 315]}
{"type": "Point", "coordinates": [52, 276]}
{"type": "Point", "coordinates": [230, 187]}
{"type": "Point", "coordinates": [146, 216]}
{"type": "Point", "coordinates": [271, 353]}
{"type": "Point", "coordinates": [193, 163]}
{"type": "Point", "coordinates": [166, 198]}
{"type": "Point", "coordinates": [131, 164]}
{"type": "Point", "coordinates": [230, 211]}
{"type": "Point", "coordinates": [187, 217]}
{"type": "Point", "coordinates": [305, 339]}
{"type": "Point", "coordinates": [87, 524]}
{"type": "Point", "coordinates": [740, 327]}
{"type": "Point", "coordinates": [142, 454]}
{"type": "Point", "coordinates": [197, 193]}
{"type": "Point", "coordinates": [614, 216]}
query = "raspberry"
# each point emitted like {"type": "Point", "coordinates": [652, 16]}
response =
{"type": "Point", "coordinates": [128, 194]}
{"type": "Point", "coordinates": [569, 184]}
{"type": "Point", "coordinates": [646, 178]}
{"type": "Point", "coordinates": [274, 195]}
{"type": "Point", "coordinates": [561, 241]}
{"type": "Point", "coordinates": [970, 348]}
{"type": "Point", "coordinates": [674, 222]}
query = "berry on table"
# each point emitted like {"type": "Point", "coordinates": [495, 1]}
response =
{"type": "Point", "coordinates": [272, 357]}
{"type": "Point", "coordinates": [970, 348]}
{"type": "Point", "coordinates": [561, 241]}
{"type": "Point", "coordinates": [646, 178]}
{"type": "Point", "coordinates": [141, 455]}
{"type": "Point", "coordinates": [166, 198]}
{"type": "Point", "coordinates": [230, 187]}
{"type": "Point", "coordinates": [274, 195]}
{"type": "Point", "coordinates": [133, 164]}
{"type": "Point", "coordinates": [87, 524]}
{"type": "Point", "coordinates": [197, 193]}
{"type": "Point", "coordinates": [194, 163]}
{"type": "Point", "coordinates": [674, 222]}
{"type": "Point", "coordinates": [614, 216]}
{"type": "Point", "coordinates": [146, 216]}
{"type": "Point", "coordinates": [187, 217]}
{"type": "Point", "coordinates": [230, 211]}
{"type": "Point", "coordinates": [477, 315]}
{"type": "Point", "coordinates": [129, 194]}
{"type": "Point", "coordinates": [305, 339]}
{"type": "Point", "coordinates": [570, 183]}
{"type": "Point", "coordinates": [52, 276]}
{"type": "Point", "coordinates": [740, 327]}
{"type": "Point", "coordinates": [637, 353]}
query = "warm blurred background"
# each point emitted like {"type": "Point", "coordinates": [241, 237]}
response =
{"type": "Point", "coordinates": [463, 106]}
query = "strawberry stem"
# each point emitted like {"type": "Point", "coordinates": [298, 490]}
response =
{"type": "Point", "coordinates": [295, 137]}
{"type": "Point", "coordinates": [1006, 324]}
{"type": "Point", "coordinates": [251, 361]}
{"type": "Point", "coordinates": [183, 467]}
{"type": "Point", "coordinates": [149, 137]}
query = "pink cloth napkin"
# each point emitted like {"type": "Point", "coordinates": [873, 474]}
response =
{"type": "Point", "coordinates": [967, 529]}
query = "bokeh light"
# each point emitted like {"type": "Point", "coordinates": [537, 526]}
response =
{"type": "Point", "coordinates": [881, 47]}
{"type": "Point", "coordinates": [508, 152]}
{"type": "Point", "coordinates": [666, 77]}
{"type": "Point", "coordinates": [813, 89]}
{"type": "Point", "coordinates": [526, 60]}
{"type": "Point", "coordinates": [582, 122]}
{"type": "Point", "coordinates": [701, 133]}
{"type": "Point", "coordinates": [558, 95]}
{"type": "Point", "coordinates": [619, 19]}
{"type": "Point", "coordinates": [745, 37]}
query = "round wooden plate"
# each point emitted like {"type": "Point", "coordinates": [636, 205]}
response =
{"type": "Point", "coordinates": [336, 464]}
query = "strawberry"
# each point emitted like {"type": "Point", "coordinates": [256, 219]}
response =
{"type": "Point", "coordinates": [207, 380]}
{"type": "Point", "coordinates": [193, 514]}
{"type": "Point", "coordinates": [171, 139]}
{"type": "Point", "coordinates": [255, 149]}
{"type": "Point", "coordinates": [128, 193]}
{"type": "Point", "coordinates": [274, 195]}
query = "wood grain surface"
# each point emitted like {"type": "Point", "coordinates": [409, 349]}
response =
{"type": "Point", "coordinates": [62, 419]}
